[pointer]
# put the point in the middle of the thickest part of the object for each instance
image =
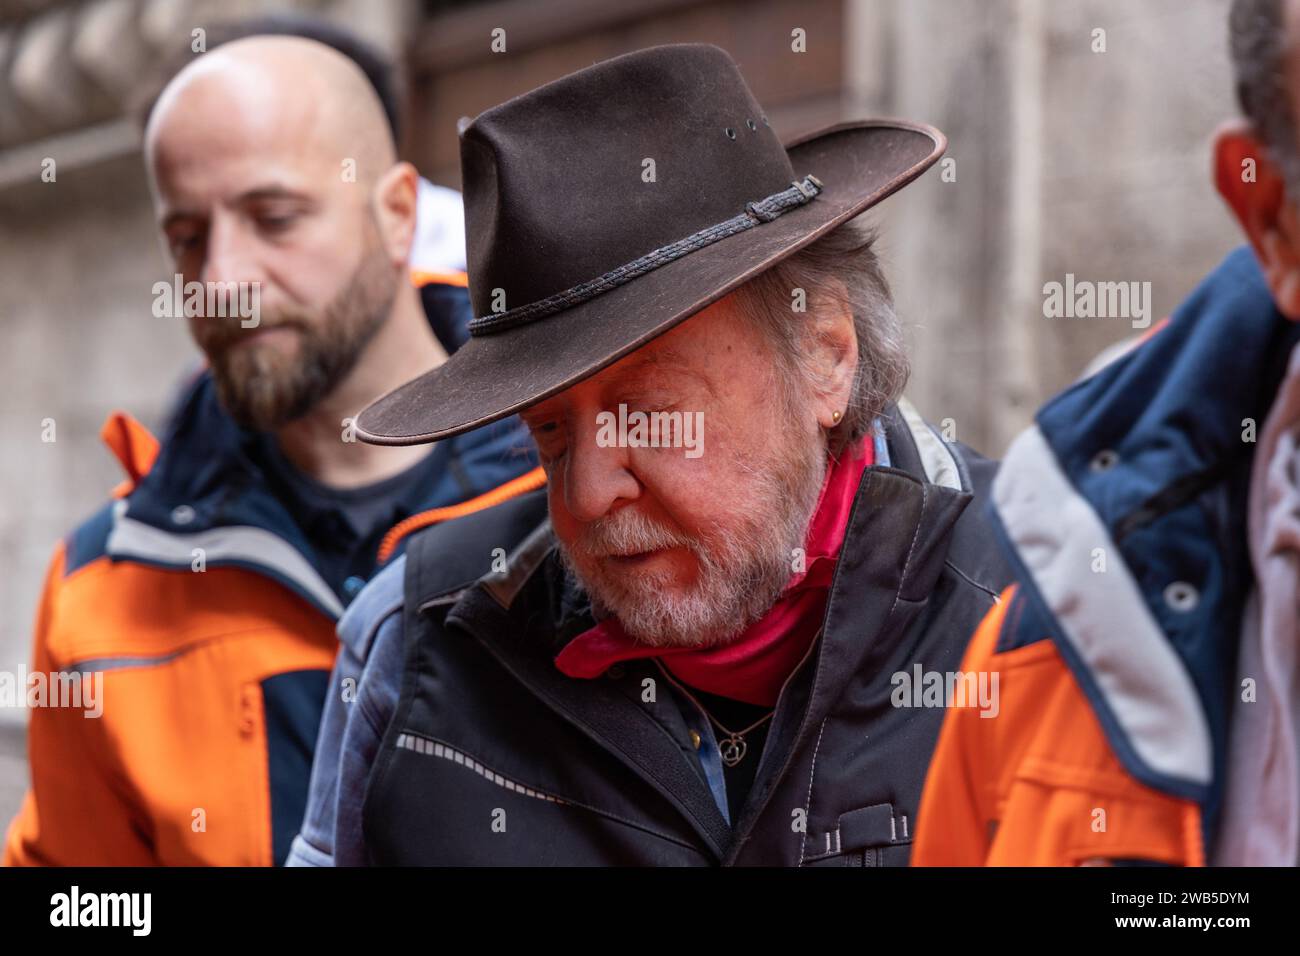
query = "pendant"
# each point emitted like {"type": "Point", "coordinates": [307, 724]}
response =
{"type": "Point", "coordinates": [732, 749]}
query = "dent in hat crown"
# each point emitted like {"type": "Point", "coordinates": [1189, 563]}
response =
{"type": "Point", "coordinates": [557, 185]}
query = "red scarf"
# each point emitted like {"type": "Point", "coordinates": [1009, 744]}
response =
{"type": "Point", "coordinates": [755, 665]}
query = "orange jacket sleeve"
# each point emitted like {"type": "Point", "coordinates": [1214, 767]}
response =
{"type": "Point", "coordinates": [1036, 783]}
{"type": "Point", "coordinates": [76, 812]}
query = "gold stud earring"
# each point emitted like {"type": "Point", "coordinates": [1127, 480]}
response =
{"type": "Point", "coordinates": [836, 416]}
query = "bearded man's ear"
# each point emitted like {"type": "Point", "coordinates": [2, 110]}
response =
{"type": "Point", "coordinates": [836, 344]}
{"type": "Point", "coordinates": [396, 198]}
{"type": "Point", "coordinates": [1255, 190]}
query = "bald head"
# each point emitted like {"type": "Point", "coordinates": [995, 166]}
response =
{"type": "Point", "coordinates": [288, 91]}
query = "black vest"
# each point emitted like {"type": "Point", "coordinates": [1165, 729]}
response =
{"type": "Point", "coordinates": [495, 757]}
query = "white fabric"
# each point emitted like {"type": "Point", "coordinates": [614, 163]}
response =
{"type": "Point", "coordinates": [936, 458]}
{"type": "Point", "coordinates": [1261, 815]}
{"type": "Point", "coordinates": [439, 244]}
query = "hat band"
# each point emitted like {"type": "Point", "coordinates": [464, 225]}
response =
{"type": "Point", "coordinates": [764, 210]}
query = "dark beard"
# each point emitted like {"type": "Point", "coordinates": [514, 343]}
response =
{"type": "Point", "coordinates": [262, 390]}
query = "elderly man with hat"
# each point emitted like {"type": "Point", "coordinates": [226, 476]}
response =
{"type": "Point", "coordinates": [686, 649]}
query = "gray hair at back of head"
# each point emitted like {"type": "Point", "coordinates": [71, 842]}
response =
{"type": "Point", "coordinates": [838, 270]}
{"type": "Point", "coordinates": [1257, 37]}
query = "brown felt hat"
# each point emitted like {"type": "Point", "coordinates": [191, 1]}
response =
{"type": "Point", "coordinates": [581, 251]}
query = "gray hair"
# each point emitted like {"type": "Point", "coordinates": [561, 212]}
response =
{"type": "Point", "coordinates": [1257, 35]}
{"type": "Point", "coordinates": [839, 269]}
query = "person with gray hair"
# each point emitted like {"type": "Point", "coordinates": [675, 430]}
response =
{"type": "Point", "coordinates": [722, 633]}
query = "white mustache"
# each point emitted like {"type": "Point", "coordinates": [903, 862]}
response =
{"type": "Point", "coordinates": [627, 533]}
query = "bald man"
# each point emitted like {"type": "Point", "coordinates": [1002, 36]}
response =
{"type": "Point", "coordinates": [198, 608]}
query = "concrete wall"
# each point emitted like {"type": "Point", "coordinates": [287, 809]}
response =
{"type": "Point", "coordinates": [1066, 160]}
{"type": "Point", "coordinates": [79, 339]}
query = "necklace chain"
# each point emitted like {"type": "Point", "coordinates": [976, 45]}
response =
{"type": "Point", "coordinates": [732, 748]}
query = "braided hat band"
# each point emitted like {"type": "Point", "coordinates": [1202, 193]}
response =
{"type": "Point", "coordinates": [799, 193]}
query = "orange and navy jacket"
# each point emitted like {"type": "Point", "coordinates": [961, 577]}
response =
{"type": "Point", "coordinates": [1123, 510]}
{"type": "Point", "coordinates": [196, 596]}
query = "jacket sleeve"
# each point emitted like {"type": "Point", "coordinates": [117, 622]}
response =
{"type": "Point", "coordinates": [958, 801]}
{"type": "Point", "coordinates": [314, 844]}
{"type": "Point", "coordinates": [1037, 783]}
{"type": "Point", "coordinates": [364, 691]}
{"type": "Point", "coordinates": [76, 811]}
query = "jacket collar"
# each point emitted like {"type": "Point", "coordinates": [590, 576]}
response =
{"type": "Point", "coordinates": [205, 494]}
{"type": "Point", "coordinates": [894, 551]}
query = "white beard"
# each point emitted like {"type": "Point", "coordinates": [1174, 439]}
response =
{"type": "Point", "coordinates": [742, 567]}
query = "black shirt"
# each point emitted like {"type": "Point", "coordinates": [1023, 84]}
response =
{"type": "Point", "coordinates": [344, 526]}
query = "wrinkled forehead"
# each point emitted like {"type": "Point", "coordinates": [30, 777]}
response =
{"type": "Point", "coordinates": [712, 346]}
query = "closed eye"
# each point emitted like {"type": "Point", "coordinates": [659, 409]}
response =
{"type": "Point", "coordinates": [278, 223]}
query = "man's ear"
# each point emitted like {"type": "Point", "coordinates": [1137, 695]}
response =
{"type": "Point", "coordinates": [396, 197]}
{"type": "Point", "coordinates": [836, 342]}
{"type": "Point", "coordinates": [1253, 187]}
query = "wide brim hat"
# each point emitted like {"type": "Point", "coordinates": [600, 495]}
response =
{"type": "Point", "coordinates": [607, 207]}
